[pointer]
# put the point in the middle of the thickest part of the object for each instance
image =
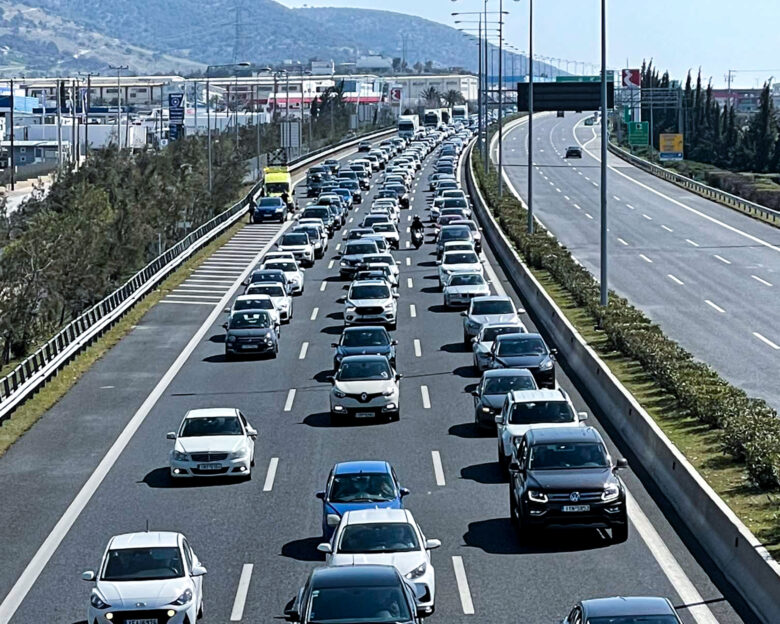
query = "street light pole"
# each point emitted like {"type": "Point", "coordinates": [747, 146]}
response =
{"type": "Point", "coordinates": [531, 117]}
{"type": "Point", "coordinates": [208, 125]}
{"type": "Point", "coordinates": [500, 98]}
{"type": "Point", "coordinates": [118, 69]}
{"type": "Point", "coordinates": [604, 139]}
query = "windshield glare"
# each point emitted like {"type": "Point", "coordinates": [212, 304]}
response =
{"type": "Point", "coordinates": [567, 456]}
{"type": "Point", "coordinates": [460, 258]}
{"type": "Point", "coordinates": [362, 605]}
{"type": "Point", "coordinates": [459, 233]}
{"type": "Point", "coordinates": [365, 338]}
{"type": "Point", "coordinates": [384, 227]}
{"type": "Point", "coordinates": [378, 369]}
{"type": "Point", "coordinates": [492, 307]}
{"type": "Point", "coordinates": [542, 412]}
{"type": "Point", "coordinates": [491, 333]}
{"type": "Point", "coordinates": [360, 248]}
{"type": "Point", "coordinates": [502, 385]}
{"type": "Point", "coordinates": [282, 266]}
{"type": "Point", "coordinates": [271, 291]}
{"type": "Point", "coordinates": [270, 201]}
{"type": "Point", "coordinates": [277, 187]}
{"type": "Point", "coordinates": [212, 426]}
{"type": "Point", "coordinates": [378, 537]}
{"type": "Point", "coordinates": [362, 488]}
{"type": "Point", "coordinates": [143, 564]}
{"type": "Point", "coordinates": [250, 320]}
{"type": "Point", "coordinates": [522, 346]}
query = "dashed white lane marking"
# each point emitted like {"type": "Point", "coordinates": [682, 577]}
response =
{"type": "Point", "coordinates": [722, 259]}
{"type": "Point", "coordinates": [587, 178]}
{"type": "Point", "coordinates": [761, 281]}
{"type": "Point", "coordinates": [566, 197]}
{"type": "Point", "coordinates": [331, 263]}
{"type": "Point", "coordinates": [426, 398]}
{"type": "Point", "coordinates": [667, 228]}
{"type": "Point", "coordinates": [243, 588]}
{"type": "Point", "coordinates": [645, 258]}
{"type": "Point", "coordinates": [213, 297]}
{"type": "Point", "coordinates": [463, 585]}
{"type": "Point", "coordinates": [690, 242]}
{"type": "Point", "coordinates": [629, 206]}
{"type": "Point", "coordinates": [577, 206]}
{"type": "Point", "coordinates": [323, 286]}
{"type": "Point", "coordinates": [351, 219]}
{"type": "Point", "coordinates": [714, 306]}
{"type": "Point", "coordinates": [622, 242]}
{"type": "Point", "coordinates": [408, 244]}
{"type": "Point", "coordinates": [271, 474]}
{"type": "Point", "coordinates": [409, 282]}
{"type": "Point", "coordinates": [766, 340]}
{"type": "Point", "coordinates": [616, 198]}
{"type": "Point", "coordinates": [412, 310]}
{"type": "Point", "coordinates": [648, 217]}
{"type": "Point", "coordinates": [290, 398]}
{"type": "Point", "coordinates": [675, 279]}
{"type": "Point", "coordinates": [314, 313]}
{"type": "Point", "coordinates": [438, 470]}
{"type": "Point", "coordinates": [304, 350]}
{"type": "Point", "coordinates": [408, 261]}
{"type": "Point", "coordinates": [409, 218]}
{"type": "Point", "coordinates": [587, 214]}
{"type": "Point", "coordinates": [338, 246]}
{"type": "Point", "coordinates": [417, 348]}
{"type": "Point", "coordinates": [557, 189]}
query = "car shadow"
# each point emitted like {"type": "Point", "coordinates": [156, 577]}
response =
{"type": "Point", "coordinates": [467, 431]}
{"type": "Point", "coordinates": [322, 376]}
{"type": "Point", "coordinates": [468, 372]}
{"type": "Point", "coordinates": [431, 290]}
{"type": "Point", "coordinates": [427, 263]}
{"type": "Point", "coordinates": [333, 330]}
{"type": "Point", "coordinates": [439, 308]}
{"type": "Point", "coordinates": [303, 549]}
{"type": "Point", "coordinates": [213, 359]}
{"type": "Point", "coordinates": [322, 420]}
{"type": "Point", "coordinates": [487, 474]}
{"type": "Point", "coordinates": [336, 316]}
{"type": "Point", "coordinates": [455, 347]}
{"type": "Point", "coordinates": [218, 338]}
{"type": "Point", "coordinates": [161, 478]}
{"type": "Point", "coordinates": [497, 536]}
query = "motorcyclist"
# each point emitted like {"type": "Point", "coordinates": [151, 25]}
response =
{"type": "Point", "coordinates": [286, 200]}
{"type": "Point", "coordinates": [417, 225]}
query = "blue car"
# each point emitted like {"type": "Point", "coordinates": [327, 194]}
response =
{"type": "Point", "coordinates": [359, 485]}
{"type": "Point", "coordinates": [345, 194]}
{"type": "Point", "coordinates": [364, 340]}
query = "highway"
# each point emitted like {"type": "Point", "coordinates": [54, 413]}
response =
{"type": "Point", "coordinates": [710, 276]}
{"type": "Point", "coordinates": [96, 465]}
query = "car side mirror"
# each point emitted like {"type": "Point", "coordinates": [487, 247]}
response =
{"type": "Point", "coordinates": [582, 415]}
{"type": "Point", "coordinates": [332, 520]}
{"type": "Point", "coordinates": [171, 435]}
{"type": "Point", "coordinates": [198, 570]}
{"type": "Point", "coordinates": [404, 492]}
{"type": "Point", "coordinates": [251, 432]}
{"type": "Point", "coordinates": [88, 575]}
{"type": "Point", "coordinates": [553, 351]}
{"type": "Point", "coordinates": [227, 310]}
{"type": "Point", "coordinates": [621, 463]}
{"type": "Point", "coordinates": [331, 379]}
{"type": "Point", "coordinates": [399, 376]}
{"type": "Point", "coordinates": [325, 548]}
{"type": "Point", "coordinates": [393, 343]}
{"type": "Point", "coordinates": [396, 295]}
{"type": "Point", "coordinates": [438, 262]}
{"type": "Point", "coordinates": [499, 419]}
{"type": "Point", "coordinates": [464, 314]}
{"type": "Point", "coordinates": [432, 544]}
{"type": "Point", "coordinates": [224, 325]}
{"type": "Point", "coordinates": [320, 495]}
{"type": "Point", "coordinates": [514, 466]}
{"type": "Point", "coordinates": [475, 393]}
{"type": "Point", "coordinates": [334, 344]}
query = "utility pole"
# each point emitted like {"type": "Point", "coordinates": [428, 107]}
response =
{"type": "Point", "coordinates": [89, 104]}
{"type": "Point", "coordinates": [118, 69]}
{"type": "Point", "coordinates": [208, 125]}
{"type": "Point", "coordinates": [500, 98]}
{"type": "Point", "coordinates": [13, 158]}
{"type": "Point", "coordinates": [604, 140]}
{"type": "Point", "coordinates": [195, 97]}
{"type": "Point", "coordinates": [479, 81]}
{"type": "Point", "coordinates": [73, 137]}
{"type": "Point", "coordinates": [530, 116]}
{"type": "Point", "coordinates": [485, 154]}
{"type": "Point", "coordinates": [59, 126]}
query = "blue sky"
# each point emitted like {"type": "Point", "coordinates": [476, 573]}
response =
{"type": "Point", "coordinates": [716, 35]}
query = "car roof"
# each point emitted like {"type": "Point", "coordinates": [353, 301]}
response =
{"type": "Point", "coordinates": [556, 435]}
{"type": "Point", "coordinates": [355, 576]}
{"type": "Point", "coordinates": [211, 412]}
{"type": "Point", "coordinates": [255, 296]}
{"type": "Point", "coordinates": [369, 282]}
{"type": "Point", "coordinates": [375, 516]}
{"type": "Point", "coordinates": [507, 372]}
{"type": "Point", "coordinates": [357, 328]}
{"type": "Point", "coordinates": [503, 337]}
{"type": "Point", "coordinates": [627, 605]}
{"type": "Point", "coordinates": [356, 467]}
{"type": "Point", "coordinates": [145, 539]}
{"type": "Point", "coordinates": [532, 396]}
{"type": "Point", "coordinates": [492, 298]}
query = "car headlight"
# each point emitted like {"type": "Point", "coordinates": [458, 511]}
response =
{"type": "Point", "coordinates": [238, 454]}
{"type": "Point", "coordinates": [388, 392]}
{"type": "Point", "coordinates": [536, 496]}
{"type": "Point", "coordinates": [343, 263]}
{"type": "Point", "coordinates": [96, 600]}
{"type": "Point", "coordinates": [486, 410]}
{"type": "Point", "coordinates": [390, 305]}
{"type": "Point", "coordinates": [418, 571]}
{"type": "Point", "coordinates": [231, 338]}
{"type": "Point", "coordinates": [611, 492]}
{"type": "Point", "coordinates": [350, 309]}
{"type": "Point", "coordinates": [546, 365]}
{"type": "Point", "coordinates": [186, 596]}
{"type": "Point", "coordinates": [269, 340]}
{"type": "Point", "coordinates": [179, 456]}
{"type": "Point", "coordinates": [338, 393]}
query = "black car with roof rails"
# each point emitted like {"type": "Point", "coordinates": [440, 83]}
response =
{"type": "Point", "coordinates": [491, 391]}
{"type": "Point", "coordinates": [563, 477]}
{"type": "Point", "coordinates": [525, 350]}
{"type": "Point", "coordinates": [364, 340]}
{"type": "Point", "coordinates": [623, 610]}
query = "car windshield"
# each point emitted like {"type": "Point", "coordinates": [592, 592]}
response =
{"type": "Point", "coordinates": [635, 619]}
{"type": "Point", "coordinates": [350, 184]}
{"type": "Point", "coordinates": [277, 187]}
{"type": "Point", "coordinates": [378, 537]}
{"type": "Point", "coordinates": [522, 346]}
{"type": "Point", "coordinates": [364, 487]}
{"type": "Point", "coordinates": [270, 290]}
{"type": "Point", "coordinates": [384, 227]}
{"type": "Point", "coordinates": [567, 456]}
{"type": "Point", "coordinates": [143, 564]}
{"type": "Point", "coordinates": [460, 257]}
{"type": "Point", "coordinates": [254, 304]}
{"type": "Point", "coordinates": [373, 291]}
{"type": "Point", "coordinates": [360, 248]}
{"type": "Point", "coordinates": [212, 426]}
{"type": "Point", "coordinates": [467, 279]}
{"type": "Point", "coordinates": [358, 605]}
{"type": "Point", "coordinates": [270, 201]}
{"type": "Point", "coordinates": [508, 383]}
{"type": "Point", "coordinates": [269, 277]}
{"type": "Point", "coordinates": [282, 266]}
{"type": "Point", "coordinates": [492, 307]}
{"type": "Point", "coordinates": [250, 320]}
{"type": "Point", "coordinates": [374, 369]}
{"type": "Point", "coordinates": [373, 219]}
{"type": "Point", "coordinates": [458, 233]}
{"type": "Point", "coordinates": [543, 412]}
{"type": "Point", "coordinates": [491, 333]}
{"type": "Point", "coordinates": [365, 338]}
{"type": "Point", "coordinates": [380, 258]}
{"type": "Point", "coordinates": [454, 202]}
{"type": "Point", "coordinates": [311, 232]}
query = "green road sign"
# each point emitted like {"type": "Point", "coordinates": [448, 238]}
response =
{"type": "Point", "coordinates": [639, 133]}
{"type": "Point", "coordinates": [626, 113]}
{"type": "Point", "coordinates": [610, 78]}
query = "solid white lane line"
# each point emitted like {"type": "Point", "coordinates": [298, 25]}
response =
{"type": "Point", "coordinates": [409, 282]}
{"type": "Point", "coordinates": [722, 259]}
{"type": "Point", "coordinates": [622, 242]}
{"type": "Point", "coordinates": [193, 288]}
{"type": "Point", "coordinates": [667, 228]}
{"type": "Point", "coordinates": [304, 350]}
{"type": "Point", "coordinates": [426, 398]}
{"type": "Point", "coordinates": [675, 280]}
{"type": "Point", "coordinates": [690, 242]}
{"type": "Point", "coordinates": [587, 214]}
{"type": "Point", "coordinates": [290, 398]}
{"type": "Point", "coordinates": [193, 280]}
{"type": "Point", "coordinates": [577, 206]}
{"type": "Point", "coordinates": [243, 588]}
{"type": "Point", "coordinates": [463, 585]}
{"type": "Point", "coordinates": [438, 470]}
{"type": "Point", "coordinates": [766, 340]}
{"type": "Point", "coordinates": [417, 348]}
{"type": "Point", "coordinates": [271, 474]}
{"type": "Point", "coordinates": [323, 286]}
{"type": "Point", "coordinates": [645, 258]}
{"type": "Point", "coordinates": [314, 314]}
{"type": "Point", "coordinates": [330, 264]}
{"type": "Point", "coordinates": [674, 572]}
{"type": "Point", "coordinates": [408, 261]}
{"type": "Point", "coordinates": [714, 306]}
{"type": "Point", "coordinates": [412, 310]}
{"type": "Point", "coordinates": [761, 281]}
{"type": "Point", "coordinates": [649, 218]}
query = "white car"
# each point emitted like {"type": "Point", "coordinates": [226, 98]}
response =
{"type": "Point", "coordinates": [458, 262]}
{"type": "Point", "coordinates": [213, 442]}
{"type": "Point", "coordinates": [299, 244]}
{"type": "Point", "coordinates": [386, 537]}
{"type": "Point", "coordinates": [465, 245]}
{"type": "Point", "coordinates": [462, 287]}
{"type": "Point", "coordinates": [291, 270]}
{"type": "Point", "coordinates": [389, 232]}
{"type": "Point", "coordinates": [256, 302]}
{"type": "Point", "coordinates": [371, 302]}
{"type": "Point", "coordinates": [279, 255]}
{"type": "Point", "coordinates": [365, 386]}
{"type": "Point", "coordinates": [143, 573]}
{"type": "Point", "coordinates": [384, 258]}
{"type": "Point", "coordinates": [281, 298]}
{"type": "Point", "coordinates": [525, 409]}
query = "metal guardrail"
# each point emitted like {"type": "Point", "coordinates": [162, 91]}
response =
{"type": "Point", "coordinates": [722, 197]}
{"type": "Point", "coordinates": [37, 368]}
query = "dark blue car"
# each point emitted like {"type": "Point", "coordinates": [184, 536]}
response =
{"type": "Point", "coordinates": [369, 340]}
{"type": "Point", "coordinates": [359, 485]}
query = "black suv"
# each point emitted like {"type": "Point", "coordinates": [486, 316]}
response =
{"type": "Point", "coordinates": [564, 477]}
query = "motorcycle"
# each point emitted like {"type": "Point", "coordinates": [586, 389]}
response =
{"type": "Point", "coordinates": [417, 238]}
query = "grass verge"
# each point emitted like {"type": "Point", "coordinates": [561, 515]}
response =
{"type": "Point", "coordinates": [34, 408]}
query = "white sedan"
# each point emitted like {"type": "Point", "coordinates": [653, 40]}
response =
{"type": "Point", "coordinates": [458, 262]}
{"type": "Point", "coordinates": [291, 270]}
{"type": "Point", "coordinates": [143, 573]}
{"type": "Point", "coordinates": [279, 295]}
{"type": "Point", "coordinates": [386, 537]}
{"type": "Point", "coordinates": [213, 442]}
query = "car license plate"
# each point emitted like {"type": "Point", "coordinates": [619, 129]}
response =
{"type": "Point", "coordinates": [209, 466]}
{"type": "Point", "coordinates": [143, 621]}
{"type": "Point", "coordinates": [364, 415]}
{"type": "Point", "coordinates": [249, 346]}
{"type": "Point", "coordinates": [576, 508]}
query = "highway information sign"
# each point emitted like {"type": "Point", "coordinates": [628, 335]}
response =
{"type": "Point", "coordinates": [639, 133]}
{"type": "Point", "coordinates": [670, 146]}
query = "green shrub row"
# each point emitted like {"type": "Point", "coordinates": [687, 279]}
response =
{"type": "Point", "coordinates": [749, 428]}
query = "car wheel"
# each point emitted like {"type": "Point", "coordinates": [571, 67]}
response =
{"type": "Point", "coordinates": [620, 532]}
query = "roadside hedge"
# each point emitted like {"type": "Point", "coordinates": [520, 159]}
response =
{"type": "Point", "coordinates": [749, 428]}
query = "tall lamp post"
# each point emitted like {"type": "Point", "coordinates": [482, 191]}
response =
{"type": "Point", "coordinates": [604, 140]}
{"type": "Point", "coordinates": [118, 68]}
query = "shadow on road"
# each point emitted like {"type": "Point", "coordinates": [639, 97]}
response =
{"type": "Point", "coordinates": [303, 549]}
{"type": "Point", "coordinates": [497, 536]}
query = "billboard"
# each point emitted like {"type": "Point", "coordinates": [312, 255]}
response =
{"type": "Point", "coordinates": [567, 96]}
{"type": "Point", "coordinates": [670, 147]}
{"type": "Point", "coordinates": [396, 92]}
{"type": "Point", "coordinates": [632, 79]}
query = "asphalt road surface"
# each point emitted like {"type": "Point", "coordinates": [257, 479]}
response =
{"type": "Point", "coordinates": [96, 465]}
